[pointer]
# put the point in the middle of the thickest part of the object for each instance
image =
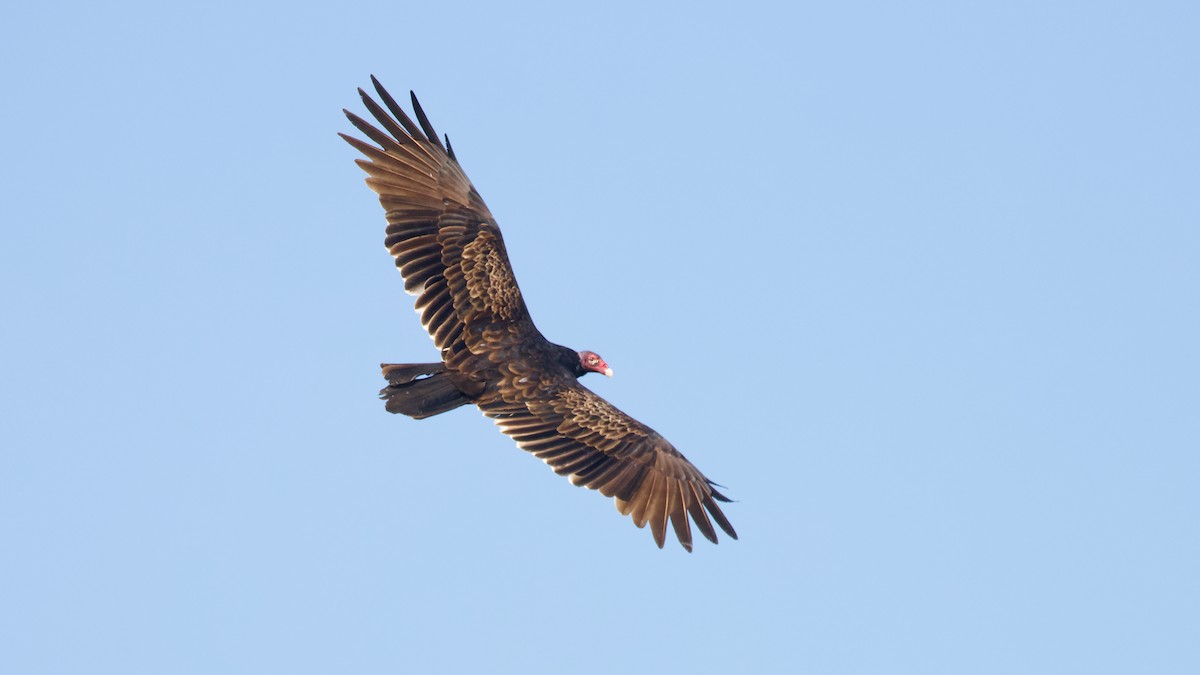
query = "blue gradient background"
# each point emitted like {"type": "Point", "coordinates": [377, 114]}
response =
{"type": "Point", "coordinates": [917, 283]}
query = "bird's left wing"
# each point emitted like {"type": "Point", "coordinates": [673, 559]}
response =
{"type": "Point", "coordinates": [596, 445]}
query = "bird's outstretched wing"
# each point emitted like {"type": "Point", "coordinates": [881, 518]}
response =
{"type": "Point", "coordinates": [595, 445]}
{"type": "Point", "coordinates": [445, 241]}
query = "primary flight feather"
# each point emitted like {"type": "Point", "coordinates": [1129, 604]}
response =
{"type": "Point", "coordinates": [451, 254]}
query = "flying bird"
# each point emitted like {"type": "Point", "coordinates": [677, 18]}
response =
{"type": "Point", "coordinates": [450, 252]}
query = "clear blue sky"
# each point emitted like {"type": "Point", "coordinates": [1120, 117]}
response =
{"type": "Point", "coordinates": [918, 284]}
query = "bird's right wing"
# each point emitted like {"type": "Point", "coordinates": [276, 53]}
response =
{"type": "Point", "coordinates": [445, 241]}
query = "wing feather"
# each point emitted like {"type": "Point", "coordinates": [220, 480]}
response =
{"type": "Point", "coordinates": [677, 506]}
{"type": "Point", "coordinates": [410, 129]}
{"type": "Point", "coordinates": [694, 507]}
{"type": "Point", "coordinates": [641, 501]}
{"type": "Point", "coordinates": [656, 507]}
{"type": "Point", "coordinates": [425, 125]}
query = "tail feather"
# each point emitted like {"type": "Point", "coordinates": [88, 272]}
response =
{"type": "Point", "coordinates": [420, 390]}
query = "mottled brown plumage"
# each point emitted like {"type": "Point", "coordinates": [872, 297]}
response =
{"type": "Point", "coordinates": [451, 254]}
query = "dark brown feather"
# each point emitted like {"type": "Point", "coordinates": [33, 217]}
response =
{"type": "Point", "coordinates": [425, 125]}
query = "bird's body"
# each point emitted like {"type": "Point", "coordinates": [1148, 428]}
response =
{"type": "Point", "coordinates": [451, 254]}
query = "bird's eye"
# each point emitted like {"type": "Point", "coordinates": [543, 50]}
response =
{"type": "Point", "coordinates": [592, 360]}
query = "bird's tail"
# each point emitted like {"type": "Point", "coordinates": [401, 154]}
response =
{"type": "Point", "coordinates": [420, 390]}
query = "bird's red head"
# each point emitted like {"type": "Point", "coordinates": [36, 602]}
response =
{"type": "Point", "coordinates": [591, 361]}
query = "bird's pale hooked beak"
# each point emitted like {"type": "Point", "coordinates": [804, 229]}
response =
{"type": "Point", "coordinates": [608, 372]}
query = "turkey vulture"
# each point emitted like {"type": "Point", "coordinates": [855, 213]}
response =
{"type": "Point", "coordinates": [449, 251]}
